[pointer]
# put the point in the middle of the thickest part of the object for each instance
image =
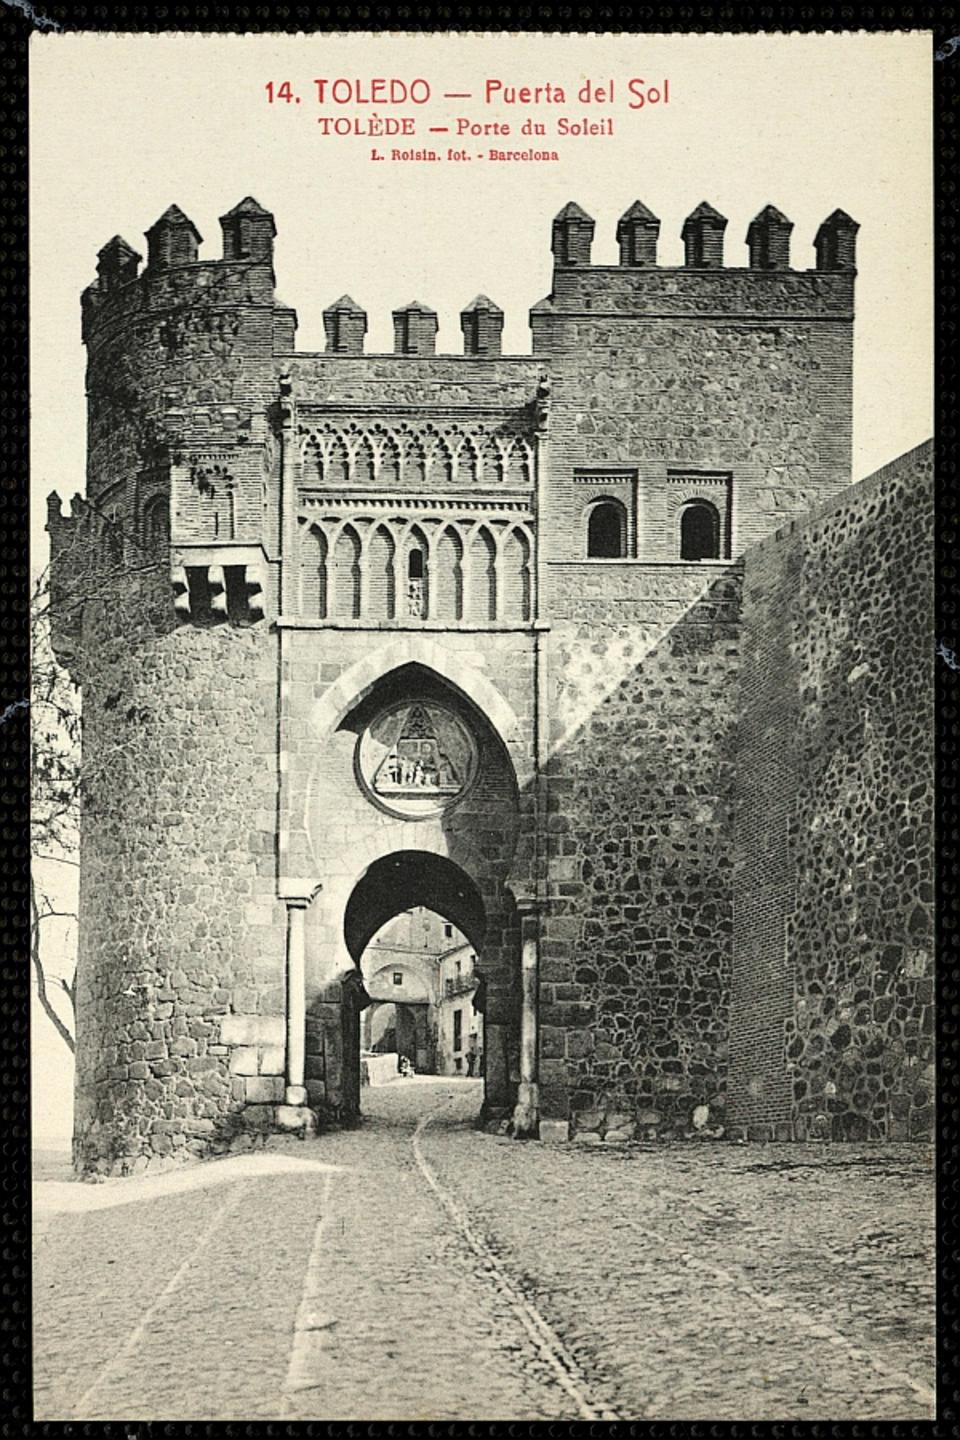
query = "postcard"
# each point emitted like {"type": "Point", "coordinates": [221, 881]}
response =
{"type": "Point", "coordinates": [483, 726]}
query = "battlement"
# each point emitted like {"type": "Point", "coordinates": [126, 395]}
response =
{"type": "Point", "coordinates": [657, 399]}
{"type": "Point", "coordinates": [767, 288]}
{"type": "Point", "coordinates": [175, 276]}
{"type": "Point", "coordinates": [638, 229]}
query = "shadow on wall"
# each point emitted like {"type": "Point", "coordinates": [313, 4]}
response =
{"type": "Point", "coordinates": [637, 931]}
{"type": "Point", "coordinates": [727, 786]}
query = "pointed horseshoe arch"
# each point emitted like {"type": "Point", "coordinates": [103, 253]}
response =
{"type": "Point", "coordinates": [356, 682]}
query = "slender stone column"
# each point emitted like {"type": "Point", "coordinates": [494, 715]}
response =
{"type": "Point", "coordinates": [526, 1115]}
{"type": "Point", "coordinates": [297, 895]}
{"type": "Point", "coordinates": [296, 1001]}
{"type": "Point", "coordinates": [289, 473]}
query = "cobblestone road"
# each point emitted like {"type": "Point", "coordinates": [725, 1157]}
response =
{"type": "Point", "coordinates": [416, 1268]}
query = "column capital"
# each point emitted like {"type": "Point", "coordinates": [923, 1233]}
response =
{"type": "Point", "coordinates": [528, 904]}
{"type": "Point", "coordinates": [297, 894]}
{"type": "Point", "coordinates": [286, 402]}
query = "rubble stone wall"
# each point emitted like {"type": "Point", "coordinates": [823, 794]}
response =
{"type": "Point", "coordinates": [180, 980]}
{"type": "Point", "coordinates": [635, 965]}
{"type": "Point", "coordinates": [832, 1022]}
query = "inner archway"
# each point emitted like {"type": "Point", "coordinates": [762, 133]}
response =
{"type": "Point", "coordinates": [414, 926]}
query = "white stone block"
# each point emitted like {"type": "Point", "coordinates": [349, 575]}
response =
{"type": "Point", "coordinates": [252, 1030]}
{"type": "Point", "coordinates": [243, 1060]}
{"type": "Point", "coordinates": [263, 1089]}
{"type": "Point", "coordinates": [239, 1029]}
{"type": "Point", "coordinates": [554, 1132]}
{"type": "Point", "coordinates": [272, 1030]}
{"type": "Point", "coordinates": [296, 1117]}
{"type": "Point", "coordinates": [272, 1058]}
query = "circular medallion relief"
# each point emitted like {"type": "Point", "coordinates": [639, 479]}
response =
{"type": "Point", "coordinates": [416, 759]}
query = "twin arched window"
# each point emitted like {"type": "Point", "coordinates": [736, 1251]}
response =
{"type": "Point", "coordinates": [700, 531]}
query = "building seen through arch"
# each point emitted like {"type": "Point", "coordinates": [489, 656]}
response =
{"type": "Point", "coordinates": [422, 977]}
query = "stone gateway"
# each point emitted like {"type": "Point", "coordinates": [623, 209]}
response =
{"type": "Point", "coordinates": [595, 652]}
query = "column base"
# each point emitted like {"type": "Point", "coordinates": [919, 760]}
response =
{"type": "Point", "coordinates": [526, 1112]}
{"type": "Point", "coordinates": [295, 1095]}
{"type": "Point", "coordinates": [297, 1118]}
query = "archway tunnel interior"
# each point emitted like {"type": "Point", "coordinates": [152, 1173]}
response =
{"type": "Point", "coordinates": [414, 927]}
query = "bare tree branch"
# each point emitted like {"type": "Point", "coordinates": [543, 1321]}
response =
{"type": "Point", "coordinates": [45, 1002]}
{"type": "Point", "coordinates": [87, 569]}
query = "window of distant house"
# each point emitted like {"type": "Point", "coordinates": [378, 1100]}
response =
{"type": "Point", "coordinates": [397, 977]}
{"type": "Point", "coordinates": [607, 531]}
{"type": "Point", "coordinates": [459, 967]}
{"type": "Point", "coordinates": [448, 931]}
{"type": "Point", "coordinates": [458, 1029]}
{"type": "Point", "coordinates": [699, 531]}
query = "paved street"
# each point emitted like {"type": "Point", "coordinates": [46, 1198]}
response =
{"type": "Point", "coordinates": [418, 1269]}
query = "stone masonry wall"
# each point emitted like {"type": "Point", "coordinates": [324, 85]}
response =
{"type": "Point", "coordinates": [832, 1015]}
{"type": "Point", "coordinates": [180, 978]}
{"type": "Point", "coordinates": [635, 966]}
{"type": "Point", "coordinates": [668, 374]}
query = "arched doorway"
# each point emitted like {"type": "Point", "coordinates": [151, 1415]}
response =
{"type": "Point", "coordinates": [407, 880]}
{"type": "Point", "coordinates": [412, 798]}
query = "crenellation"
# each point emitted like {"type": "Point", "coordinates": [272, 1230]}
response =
{"type": "Point", "coordinates": [572, 236]}
{"type": "Point", "coordinates": [768, 239]}
{"type": "Point", "coordinates": [482, 325]}
{"type": "Point", "coordinates": [172, 240]}
{"type": "Point", "coordinates": [346, 325]}
{"type": "Point", "coordinates": [248, 232]}
{"type": "Point", "coordinates": [637, 232]}
{"type": "Point", "coordinates": [117, 264]}
{"type": "Point", "coordinates": [836, 242]}
{"type": "Point", "coordinates": [702, 237]}
{"type": "Point", "coordinates": [415, 330]}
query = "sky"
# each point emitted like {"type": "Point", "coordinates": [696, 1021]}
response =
{"type": "Point", "coordinates": [123, 126]}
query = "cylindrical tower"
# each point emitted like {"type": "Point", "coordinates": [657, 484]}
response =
{"type": "Point", "coordinates": [163, 579]}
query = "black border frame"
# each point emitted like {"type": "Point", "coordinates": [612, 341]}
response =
{"type": "Point", "coordinates": [18, 19]}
